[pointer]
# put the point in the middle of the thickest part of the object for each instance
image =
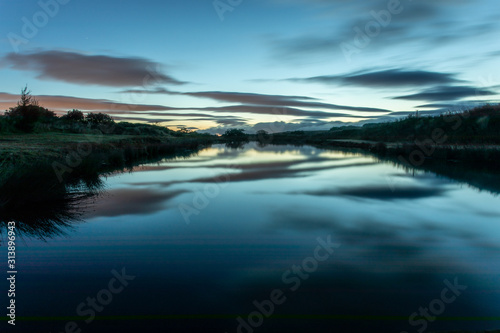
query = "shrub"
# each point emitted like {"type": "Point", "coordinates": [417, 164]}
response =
{"type": "Point", "coordinates": [235, 134]}
{"type": "Point", "coordinates": [74, 116]}
{"type": "Point", "coordinates": [99, 118]}
{"type": "Point", "coordinates": [28, 112]}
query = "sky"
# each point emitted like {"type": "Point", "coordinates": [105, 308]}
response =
{"type": "Point", "coordinates": [276, 65]}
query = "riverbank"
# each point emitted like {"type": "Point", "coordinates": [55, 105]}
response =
{"type": "Point", "coordinates": [26, 149]}
{"type": "Point", "coordinates": [412, 153]}
{"type": "Point", "coordinates": [45, 178]}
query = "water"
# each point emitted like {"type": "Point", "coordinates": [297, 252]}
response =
{"type": "Point", "coordinates": [220, 241]}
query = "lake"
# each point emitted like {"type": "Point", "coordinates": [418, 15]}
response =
{"type": "Point", "coordinates": [267, 239]}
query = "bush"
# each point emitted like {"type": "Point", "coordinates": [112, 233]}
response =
{"type": "Point", "coordinates": [99, 118]}
{"type": "Point", "coordinates": [6, 125]}
{"type": "Point", "coordinates": [28, 112]}
{"type": "Point", "coordinates": [235, 134]}
{"type": "Point", "coordinates": [74, 116]}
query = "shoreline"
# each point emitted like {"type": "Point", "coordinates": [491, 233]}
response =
{"type": "Point", "coordinates": [113, 150]}
{"type": "Point", "coordinates": [24, 149]}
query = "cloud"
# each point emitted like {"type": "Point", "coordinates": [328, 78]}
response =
{"type": "Point", "coordinates": [397, 77]}
{"type": "Point", "coordinates": [276, 105]}
{"type": "Point", "coordinates": [423, 23]}
{"type": "Point", "coordinates": [100, 70]}
{"type": "Point", "coordinates": [447, 93]}
{"type": "Point", "coordinates": [279, 100]}
{"type": "Point", "coordinates": [280, 112]}
{"type": "Point", "coordinates": [125, 110]}
{"type": "Point", "coordinates": [68, 102]}
{"type": "Point", "coordinates": [282, 126]}
{"type": "Point", "coordinates": [251, 102]}
{"type": "Point", "coordinates": [162, 113]}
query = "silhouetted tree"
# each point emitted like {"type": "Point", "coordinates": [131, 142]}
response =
{"type": "Point", "coordinates": [184, 130]}
{"type": "Point", "coordinates": [99, 118]}
{"type": "Point", "coordinates": [74, 115]}
{"type": "Point", "coordinates": [263, 136]}
{"type": "Point", "coordinates": [235, 134]}
{"type": "Point", "coordinates": [28, 112]}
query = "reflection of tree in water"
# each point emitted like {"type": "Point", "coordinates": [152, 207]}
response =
{"type": "Point", "coordinates": [40, 204]}
{"type": "Point", "coordinates": [236, 144]}
{"type": "Point", "coordinates": [44, 207]}
{"type": "Point", "coordinates": [482, 176]}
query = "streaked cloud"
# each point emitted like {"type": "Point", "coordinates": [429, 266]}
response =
{"type": "Point", "coordinates": [60, 103]}
{"type": "Point", "coordinates": [102, 70]}
{"type": "Point", "coordinates": [430, 23]}
{"type": "Point", "coordinates": [447, 93]}
{"type": "Point", "coordinates": [397, 77]}
{"type": "Point", "coordinates": [253, 102]}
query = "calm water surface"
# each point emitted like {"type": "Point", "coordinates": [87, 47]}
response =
{"type": "Point", "coordinates": [208, 237]}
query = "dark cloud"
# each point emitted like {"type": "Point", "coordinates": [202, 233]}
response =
{"type": "Point", "coordinates": [166, 113]}
{"type": "Point", "coordinates": [171, 117]}
{"type": "Point", "coordinates": [248, 100]}
{"type": "Point", "coordinates": [447, 93]}
{"type": "Point", "coordinates": [424, 23]}
{"type": "Point", "coordinates": [279, 105]}
{"type": "Point", "coordinates": [281, 102]}
{"type": "Point", "coordinates": [280, 112]}
{"type": "Point", "coordinates": [294, 125]}
{"type": "Point", "coordinates": [381, 79]}
{"type": "Point", "coordinates": [90, 69]}
{"type": "Point", "coordinates": [155, 91]}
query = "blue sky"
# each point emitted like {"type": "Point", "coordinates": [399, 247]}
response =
{"type": "Point", "coordinates": [274, 65]}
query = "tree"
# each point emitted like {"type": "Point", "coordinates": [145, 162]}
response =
{"type": "Point", "coordinates": [27, 98]}
{"type": "Point", "coordinates": [263, 136]}
{"type": "Point", "coordinates": [74, 116]}
{"type": "Point", "coordinates": [235, 134]}
{"type": "Point", "coordinates": [184, 130]}
{"type": "Point", "coordinates": [28, 112]}
{"type": "Point", "coordinates": [99, 118]}
{"type": "Point", "coordinates": [235, 138]}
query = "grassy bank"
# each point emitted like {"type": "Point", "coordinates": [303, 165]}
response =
{"type": "Point", "coordinates": [24, 149]}
{"type": "Point", "coordinates": [46, 179]}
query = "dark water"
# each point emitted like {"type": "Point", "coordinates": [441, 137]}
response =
{"type": "Point", "coordinates": [273, 239]}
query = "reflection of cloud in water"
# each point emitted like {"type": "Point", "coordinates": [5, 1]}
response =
{"type": "Point", "coordinates": [379, 270]}
{"type": "Point", "coordinates": [258, 171]}
{"type": "Point", "coordinates": [273, 173]}
{"type": "Point", "coordinates": [380, 192]}
{"type": "Point", "coordinates": [384, 246]}
{"type": "Point", "coordinates": [426, 177]}
{"type": "Point", "coordinates": [130, 202]}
